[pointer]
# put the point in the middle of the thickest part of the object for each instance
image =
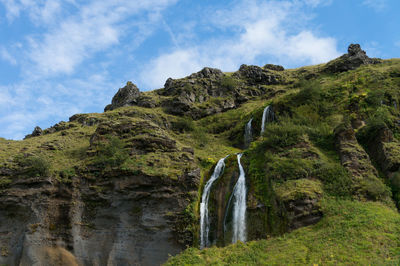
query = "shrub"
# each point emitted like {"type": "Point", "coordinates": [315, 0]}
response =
{"type": "Point", "coordinates": [336, 179]}
{"type": "Point", "coordinates": [111, 153]}
{"type": "Point", "coordinates": [380, 120]}
{"type": "Point", "coordinates": [309, 94]}
{"type": "Point", "coordinates": [183, 124]}
{"type": "Point", "coordinates": [4, 182]}
{"type": "Point", "coordinates": [375, 97]}
{"type": "Point", "coordinates": [283, 134]}
{"type": "Point", "coordinates": [395, 185]}
{"type": "Point", "coordinates": [67, 174]}
{"type": "Point", "coordinates": [229, 82]}
{"type": "Point", "coordinates": [36, 165]}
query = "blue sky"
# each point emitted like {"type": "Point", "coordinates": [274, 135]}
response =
{"type": "Point", "coordinates": [61, 57]}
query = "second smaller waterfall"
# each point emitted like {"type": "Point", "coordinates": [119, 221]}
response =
{"type": "Point", "coordinates": [248, 134]}
{"type": "Point", "coordinates": [204, 221]}
{"type": "Point", "coordinates": [268, 116]}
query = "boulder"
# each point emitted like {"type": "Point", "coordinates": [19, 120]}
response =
{"type": "Point", "coordinates": [274, 67]}
{"type": "Point", "coordinates": [126, 96]}
{"type": "Point", "coordinates": [354, 58]}
{"type": "Point", "coordinates": [256, 75]}
{"type": "Point", "coordinates": [37, 131]}
{"type": "Point", "coordinates": [208, 72]}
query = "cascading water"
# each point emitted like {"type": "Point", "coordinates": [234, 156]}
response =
{"type": "Point", "coordinates": [248, 134]}
{"type": "Point", "coordinates": [204, 222]}
{"type": "Point", "coordinates": [268, 116]}
{"type": "Point", "coordinates": [239, 206]}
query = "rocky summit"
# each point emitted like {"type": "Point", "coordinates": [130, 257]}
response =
{"type": "Point", "coordinates": [262, 166]}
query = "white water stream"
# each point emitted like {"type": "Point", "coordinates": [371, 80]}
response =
{"type": "Point", "coordinates": [239, 206]}
{"type": "Point", "coordinates": [268, 116]}
{"type": "Point", "coordinates": [248, 134]}
{"type": "Point", "coordinates": [204, 221]}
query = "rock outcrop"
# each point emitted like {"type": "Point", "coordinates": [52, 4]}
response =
{"type": "Point", "coordinates": [37, 131]}
{"type": "Point", "coordinates": [257, 75]}
{"type": "Point", "coordinates": [126, 96]}
{"type": "Point", "coordinates": [123, 218]}
{"type": "Point", "coordinates": [354, 158]}
{"type": "Point", "coordinates": [354, 58]}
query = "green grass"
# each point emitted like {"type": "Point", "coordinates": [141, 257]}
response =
{"type": "Point", "coordinates": [351, 233]}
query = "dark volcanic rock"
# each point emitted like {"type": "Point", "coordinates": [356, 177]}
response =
{"type": "Point", "coordinates": [352, 155]}
{"type": "Point", "coordinates": [385, 150]}
{"type": "Point", "coordinates": [85, 119]}
{"type": "Point", "coordinates": [256, 75]}
{"type": "Point", "coordinates": [274, 67]}
{"type": "Point", "coordinates": [37, 131]}
{"type": "Point", "coordinates": [303, 212]}
{"type": "Point", "coordinates": [134, 219]}
{"type": "Point", "coordinates": [208, 72]}
{"type": "Point", "coordinates": [354, 58]}
{"type": "Point", "coordinates": [126, 96]}
{"type": "Point", "coordinates": [354, 158]}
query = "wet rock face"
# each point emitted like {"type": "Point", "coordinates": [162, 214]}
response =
{"type": "Point", "coordinates": [133, 220]}
{"type": "Point", "coordinates": [125, 96]}
{"type": "Point", "coordinates": [354, 58]}
{"type": "Point", "coordinates": [303, 212]}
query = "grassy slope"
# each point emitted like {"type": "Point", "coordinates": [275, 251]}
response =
{"type": "Point", "coordinates": [351, 233]}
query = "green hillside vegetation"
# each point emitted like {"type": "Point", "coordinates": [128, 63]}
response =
{"type": "Point", "coordinates": [322, 119]}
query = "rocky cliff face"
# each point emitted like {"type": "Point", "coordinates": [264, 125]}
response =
{"type": "Point", "coordinates": [123, 187]}
{"type": "Point", "coordinates": [117, 218]}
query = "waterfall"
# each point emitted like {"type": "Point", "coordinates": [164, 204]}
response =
{"type": "Point", "coordinates": [248, 133]}
{"type": "Point", "coordinates": [239, 206]}
{"type": "Point", "coordinates": [204, 222]}
{"type": "Point", "coordinates": [268, 116]}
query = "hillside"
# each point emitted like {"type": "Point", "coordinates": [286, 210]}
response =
{"type": "Point", "coordinates": [124, 187]}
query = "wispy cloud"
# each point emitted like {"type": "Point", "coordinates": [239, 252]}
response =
{"type": "Point", "coordinates": [5, 55]}
{"type": "Point", "coordinates": [268, 30]}
{"type": "Point", "coordinates": [56, 83]}
{"type": "Point", "coordinates": [377, 5]}
{"type": "Point", "coordinates": [98, 26]}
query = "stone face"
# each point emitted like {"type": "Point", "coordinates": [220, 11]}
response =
{"type": "Point", "coordinates": [208, 72]}
{"type": "Point", "coordinates": [355, 159]}
{"type": "Point", "coordinates": [139, 220]}
{"type": "Point", "coordinates": [354, 58]}
{"type": "Point", "coordinates": [37, 131]}
{"type": "Point", "coordinates": [257, 75]}
{"type": "Point", "coordinates": [126, 96]}
{"type": "Point", "coordinates": [385, 150]}
{"type": "Point", "coordinates": [274, 67]}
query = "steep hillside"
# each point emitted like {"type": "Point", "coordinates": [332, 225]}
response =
{"type": "Point", "coordinates": [321, 160]}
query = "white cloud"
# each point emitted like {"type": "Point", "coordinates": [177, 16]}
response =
{"type": "Point", "coordinates": [5, 55]}
{"type": "Point", "coordinates": [72, 38]}
{"type": "Point", "coordinates": [261, 30]}
{"type": "Point", "coordinates": [377, 5]}
{"type": "Point", "coordinates": [40, 11]}
{"type": "Point", "coordinates": [43, 97]}
{"type": "Point", "coordinates": [176, 64]}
